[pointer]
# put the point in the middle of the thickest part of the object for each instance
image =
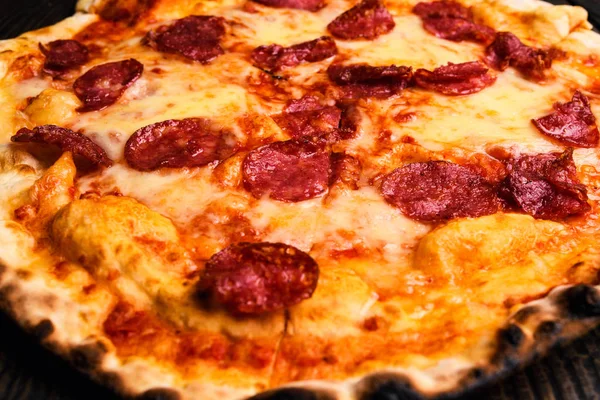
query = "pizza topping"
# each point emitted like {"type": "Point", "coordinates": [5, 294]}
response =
{"type": "Point", "coordinates": [572, 123]}
{"type": "Point", "coordinates": [458, 29]}
{"type": "Point", "coordinates": [104, 84]}
{"type": "Point", "coordinates": [507, 50]}
{"type": "Point", "coordinates": [439, 190]}
{"type": "Point", "coordinates": [308, 117]}
{"type": "Point", "coordinates": [292, 171]}
{"type": "Point", "coordinates": [452, 21]}
{"type": "Point", "coordinates": [257, 278]}
{"type": "Point", "coordinates": [362, 80]}
{"type": "Point", "coordinates": [195, 37]}
{"type": "Point", "coordinates": [345, 170]}
{"type": "Point", "coordinates": [66, 140]}
{"type": "Point", "coordinates": [190, 142]}
{"type": "Point", "coordinates": [63, 55]}
{"type": "Point", "coordinates": [545, 185]}
{"type": "Point", "coordinates": [275, 57]}
{"type": "Point", "coordinates": [368, 19]}
{"type": "Point", "coordinates": [309, 5]}
{"type": "Point", "coordinates": [442, 9]}
{"type": "Point", "coordinates": [455, 79]}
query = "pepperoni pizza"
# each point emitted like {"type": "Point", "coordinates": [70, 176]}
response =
{"type": "Point", "coordinates": [301, 198]}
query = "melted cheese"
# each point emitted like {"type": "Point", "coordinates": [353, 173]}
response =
{"type": "Point", "coordinates": [178, 195]}
{"type": "Point", "coordinates": [405, 47]}
{"type": "Point", "coordinates": [395, 291]}
{"type": "Point", "coordinates": [500, 115]}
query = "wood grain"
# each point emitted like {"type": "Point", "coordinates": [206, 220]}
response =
{"type": "Point", "coordinates": [29, 372]}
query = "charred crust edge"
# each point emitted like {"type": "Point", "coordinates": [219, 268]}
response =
{"type": "Point", "coordinates": [386, 385]}
{"type": "Point", "coordinates": [564, 314]}
{"type": "Point", "coordinates": [295, 393]}
{"type": "Point", "coordinates": [159, 394]}
{"type": "Point", "coordinates": [43, 329]}
{"type": "Point", "coordinates": [88, 356]}
{"type": "Point", "coordinates": [580, 301]}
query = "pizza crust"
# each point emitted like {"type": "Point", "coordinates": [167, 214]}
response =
{"type": "Point", "coordinates": [70, 324]}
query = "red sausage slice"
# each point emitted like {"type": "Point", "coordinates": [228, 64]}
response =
{"type": "Point", "coordinates": [309, 5]}
{"type": "Point", "coordinates": [292, 171]}
{"type": "Point", "coordinates": [439, 190]}
{"type": "Point", "coordinates": [257, 278]}
{"type": "Point", "coordinates": [573, 123]}
{"type": "Point", "coordinates": [195, 37]}
{"type": "Point", "coordinates": [362, 80]}
{"type": "Point", "coordinates": [367, 20]}
{"type": "Point", "coordinates": [456, 79]}
{"type": "Point", "coordinates": [452, 21]}
{"type": "Point", "coordinates": [507, 50]}
{"type": "Point", "coordinates": [104, 84]}
{"type": "Point", "coordinates": [63, 55]}
{"type": "Point", "coordinates": [546, 185]}
{"type": "Point", "coordinates": [66, 140]}
{"type": "Point", "coordinates": [275, 57]}
{"type": "Point", "coordinates": [458, 29]}
{"type": "Point", "coordinates": [190, 142]}
{"type": "Point", "coordinates": [442, 9]}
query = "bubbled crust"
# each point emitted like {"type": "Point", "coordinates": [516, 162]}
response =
{"type": "Point", "coordinates": [520, 338]}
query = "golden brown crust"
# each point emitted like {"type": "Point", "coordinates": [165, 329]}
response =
{"type": "Point", "coordinates": [355, 336]}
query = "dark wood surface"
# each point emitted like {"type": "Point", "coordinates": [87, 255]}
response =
{"type": "Point", "coordinates": [29, 372]}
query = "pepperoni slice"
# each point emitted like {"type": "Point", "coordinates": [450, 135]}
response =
{"type": "Point", "coordinates": [442, 9]}
{"type": "Point", "coordinates": [458, 29]}
{"type": "Point", "coordinates": [275, 57]}
{"type": "Point", "coordinates": [104, 84]}
{"type": "Point", "coordinates": [573, 123]}
{"type": "Point", "coordinates": [309, 5]}
{"type": "Point", "coordinates": [190, 142]}
{"type": "Point", "coordinates": [439, 190]}
{"type": "Point", "coordinates": [257, 278]}
{"type": "Point", "coordinates": [452, 21]}
{"type": "Point", "coordinates": [345, 170]}
{"type": "Point", "coordinates": [63, 55]}
{"type": "Point", "coordinates": [546, 185]}
{"type": "Point", "coordinates": [292, 171]}
{"type": "Point", "coordinates": [308, 117]}
{"type": "Point", "coordinates": [195, 37]}
{"type": "Point", "coordinates": [368, 20]}
{"type": "Point", "coordinates": [456, 79]}
{"type": "Point", "coordinates": [66, 140]}
{"type": "Point", "coordinates": [507, 50]}
{"type": "Point", "coordinates": [362, 80]}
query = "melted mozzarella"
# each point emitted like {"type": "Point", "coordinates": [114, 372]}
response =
{"type": "Point", "coordinates": [500, 115]}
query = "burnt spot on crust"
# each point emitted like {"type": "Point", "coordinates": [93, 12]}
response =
{"type": "Point", "coordinates": [580, 301]}
{"type": "Point", "coordinates": [547, 331]}
{"type": "Point", "coordinates": [2, 270]}
{"type": "Point", "coordinates": [159, 394]}
{"type": "Point", "coordinates": [43, 329]}
{"type": "Point", "coordinates": [524, 313]}
{"type": "Point", "coordinates": [111, 379]}
{"type": "Point", "coordinates": [5, 294]}
{"type": "Point", "coordinates": [88, 356]}
{"type": "Point", "coordinates": [294, 394]}
{"type": "Point", "coordinates": [472, 380]}
{"type": "Point", "coordinates": [386, 385]}
{"type": "Point", "coordinates": [510, 338]}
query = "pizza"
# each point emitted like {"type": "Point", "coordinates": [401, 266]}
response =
{"type": "Point", "coordinates": [221, 199]}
